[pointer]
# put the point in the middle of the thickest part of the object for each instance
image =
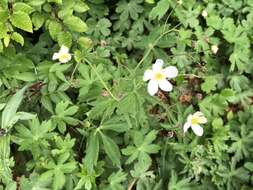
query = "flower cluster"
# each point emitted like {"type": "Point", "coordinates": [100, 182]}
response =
{"type": "Point", "coordinates": [159, 78]}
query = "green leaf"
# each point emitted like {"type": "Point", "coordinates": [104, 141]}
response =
{"type": "Point", "coordinates": [150, 1]}
{"type": "Point", "coordinates": [59, 180]}
{"type": "Point", "coordinates": [3, 15]}
{"type": "Point", "coordinates": [227, 92]}
{"type": "Point", "coordinates": [116, 181]}
{"type": "Point", "coordinates": [111, 149]}
{"type": "Point", "coordinates": [55, 1]}
{"type": "Point", "coordinates": [177, 184]}
{"type": "Point", "coordinates": [11, 108]}
{"type": "Point", "coordinates": [214, 21]}
{"type": "Point", "coordinates": [26, 76]}
{"type": "Point", "coordinates": [46, 103]}
{"type": "Point", "coordinates": [75, 24]}
{"type": "Point", "coordinates": [22, 7]}
{"type": "Point", "coordinates": [11, 186]}
{"type": "Point", "coordinates": [55, 29]}
{"type": "Point", "coordinates": [85, 42]}
{"type": "Point", "coordinates": [92, 152]}
{"type": "Point", "coordinates": [21, 20]}
{"type": "Point", "coordinates": [64, 38]}
{"type": "Point", "coordinates": [115, 124]}
{"type": "Point", "coordinates": [80, 6]}
{"type": "Point", "coordinates": [249, 166]}
{"type": "Point", "coordinates": [160, 9]}
{"type": "Point", "coordinates": [129, 9]}
{"type": "Point", "coordinates": [1, 46]}
{"type": "Point", "coordinates": [18, 38]}
{"type": "Point", "coordinates": [209, 84]}
{"type": "Point", "coordinates": [38, 20]}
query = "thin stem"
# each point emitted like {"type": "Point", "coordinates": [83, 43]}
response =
{"type": "Point", "coordinates": [72, 74]}
{"type": "Point", "coordinates": [154, 44]}
{"type": "Point", "coordinates": [167, 19]}
{"type": "Point", "coordinates": [101, 80]}
{"type": "Point", "coordinates": [130, 187]}
{"type": "Point", "coordinates": [190, 75]}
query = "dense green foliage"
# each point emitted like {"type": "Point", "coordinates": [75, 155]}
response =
{"type": "Point", "coordinates": [91, 124]}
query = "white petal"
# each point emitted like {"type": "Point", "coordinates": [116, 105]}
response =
{"type": "Point", "coordinates": [197, 129]}
{"type": "Point", "coordinates": [55, 56]}
{"type": "Point", "coordinates": [170, 72]}
{"type": "Point", "coordinates": [189, 118]}
{"type": "Point", "coordinates": [152, 87]}
{"type": "Point", "coordinates": [187, 125]}
{"type": "Point", "coordinates": [198, 114]}
{"type": "Point", "coordinates": [202, 120]}
{"type": "Point", "coordinates": [64, 49]}
{"type": "Point", "coordinates": [165, 85]}
{"type": "Point", "coordinates": [147, 75]}
{"type": "Point", "coordinates": [158, 65]}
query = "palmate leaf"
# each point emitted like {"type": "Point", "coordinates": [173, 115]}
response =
{"type": "Point", "coordinates": [209, 84]}
{"type": "Point", "coordinates": [35, 137]}
{"type": "Point", "coordinates": [215, 104]}
{"type": "Point", "coordinates": [115, 181]}
{"type": "Point", "coordinates": [143, 147]}
{"type": "Point", "coordinates": [176, 184]}
{"type": "Point", "coordinates": [64, 115]}
{"type": "Point", "coordinates": [129, 9]}
{"type": "Point", "coordinates": [241, 143]}
{"type": "Point", "coordinates": [160, 9]}
{"type": "Point", "coordinates": [57, 172]}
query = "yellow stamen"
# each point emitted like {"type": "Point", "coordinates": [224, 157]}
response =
{"type": "Point", "coordinates": [159, 76]}
{"type": "Point", "coordinates": [64, 56]}
{"type": "Point", "coordinates": [194, 121]}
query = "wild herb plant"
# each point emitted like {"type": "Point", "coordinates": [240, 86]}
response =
{"type": "Point", "coordinates": [127, 94]}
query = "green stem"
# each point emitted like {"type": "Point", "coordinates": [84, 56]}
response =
{"type": "Point", "coordinates": [101, 80]}
{"type": "Point", "coordinates": [154, 44]}
{"type": "Point", "coordinates": [72, 74]}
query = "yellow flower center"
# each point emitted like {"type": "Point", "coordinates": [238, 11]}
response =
{"type": "Point", "coordinates": [64, 56]}
{"type": "Point", "coordinates": [194, 121]}
{"type": "Point", "coordinates": [159, 76]}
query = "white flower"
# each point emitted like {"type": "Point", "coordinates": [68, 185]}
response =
{"type": "Point", "coordinates": [180, 2]}
{"type": "Point", "coordinates": [214, 49]}
{"type": "Point", "coordinates": [158, 77]}
{"type": "Point", "coordinates": [204, 13]}
{"type": "Point", "coordinates": [193, 121]}
{"type": "Point", "coordinates": [63, 55]}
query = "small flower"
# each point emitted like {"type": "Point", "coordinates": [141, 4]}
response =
{"type": "Point", "coordinates": [204, 13]}
{"type": "Point", "coordinates": [158, 77]}
{"type": "Point", "coordinates": [63, 55]}
{"type": "Point", "coordinates": [193, 121]}
{"type": "Point", "coordinates": [214, 49]}
{"type": "Point", "coordinates": [180, 2]}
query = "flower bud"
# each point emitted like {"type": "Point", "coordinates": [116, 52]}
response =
{"type": "Point", "coordinates": [204, 13]}
{"type": "Point", "coordinates": [214, 49]}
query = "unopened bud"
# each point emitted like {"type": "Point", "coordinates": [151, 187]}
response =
{"type": "Point", "coordinates": [214, 49]}
{"type": "Point", "coordinates": [204, 13]}
{"type": "Point", "coordinates": [180, 2]}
